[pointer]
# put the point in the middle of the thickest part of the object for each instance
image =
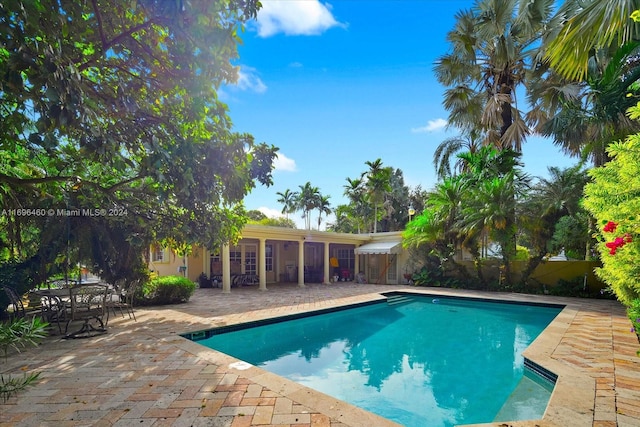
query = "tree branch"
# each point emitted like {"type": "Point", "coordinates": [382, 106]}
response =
{"type": "Point", "coordinates": [29, 181]}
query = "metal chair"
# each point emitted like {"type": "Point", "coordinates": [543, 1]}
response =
{"type": "Point", "coordinates": [89, 304]}
{"type": "Point", "coordinates": [19, 310]}
{"type": "Point", "coordinates": [124, 299]}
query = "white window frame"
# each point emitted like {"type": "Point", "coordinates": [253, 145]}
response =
{"type": "Point", "coordinates": [159, 254]}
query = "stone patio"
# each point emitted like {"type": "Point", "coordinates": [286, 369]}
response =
{"type": "Point", "coordinates": [143, 373]}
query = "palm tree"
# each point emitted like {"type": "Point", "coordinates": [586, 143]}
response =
{"type": "Point", "coordinates": [496, 181]}
{"type": "Point", "coordinates": [307, 201]}
{"type": "Point", "coordinates": [445, 201]}
{"type": "Point", "coordinates": [377, 185]}
{"type": "Point", "coordinates": [346, 220]}
{"type": "Point", "coordinates": [548, 201]}
{"type": "Point", "coordinates": [359, 207]}
{"type": "Point", "coordinates": [487, 63]}
{"type": "Point", "coordinates": [587, 25]}
{"type": "Point", "coordinates": [561, 193]}
{"type": "Point", "coordinates": [489, 162]}
{"type": "Point", "coordinates": [324, 207]}
{"type": "Point", "coordinates": [434, 229]}
{"type": "Point", "coordinates": [584, 118]}
{"type": "Point", "coordinates": [449, 148]}
{"type": "Point", "coordinates": [288, 201]}
{"type": "Point", "coordinates": [490, 207]}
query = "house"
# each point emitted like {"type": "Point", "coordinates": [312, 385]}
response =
{"type": "Point", "coordinates": [265, 255]}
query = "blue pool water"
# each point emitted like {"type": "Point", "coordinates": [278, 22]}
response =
{"type": "Point", "coordinates": [429, 361]}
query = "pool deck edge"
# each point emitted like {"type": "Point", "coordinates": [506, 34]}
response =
{"type": "Point", "coordinates": [144, 373]}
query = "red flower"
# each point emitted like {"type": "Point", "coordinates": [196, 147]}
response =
{"type": "Point", "coordinates": [612, 245]}
{"type": "Point", "coordinates": [610, 227]}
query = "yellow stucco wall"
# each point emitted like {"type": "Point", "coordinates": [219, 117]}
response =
{"type": "Point", "coordinates": [549, 273]}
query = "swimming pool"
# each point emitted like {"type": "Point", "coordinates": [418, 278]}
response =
{"type": "Point", "coordinates": [421, 361]}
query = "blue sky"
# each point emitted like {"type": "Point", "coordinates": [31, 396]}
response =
{"type": "Point", "coordinates": [335, 84]}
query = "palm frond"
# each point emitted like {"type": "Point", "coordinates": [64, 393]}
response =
{"type": "Point", "coordinates": [597, 24]}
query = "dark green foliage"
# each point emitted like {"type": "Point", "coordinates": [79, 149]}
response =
{"type": "Point", "coordinates": [17, 334]}
{"type": "Point", "coordinates": [434, 277]}
{"type": "Point", "coordinates": [167, 290]}
{"type": "Point", "coordinates": [275, 222]}
{"type": "Point", "coordinates": [20, 332]}
{"type": "Point", "coordinates": [424, 277]}
{"type": "Point", "coordinates": [112, 135]}
{"type": "Point", "coordinates": [572, 235]}
{"type": "Point", "coordinates": [19, 276]}
{"type": "Point", "coordinates": [570, 288]}
{"type": "Point", "coordinates": [10, 386]}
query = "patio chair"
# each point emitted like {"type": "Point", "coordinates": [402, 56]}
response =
{"type": "Point", "coordinates": [18, 308]}
{"type": "Point", "coordinates": [88, 303]}
{"type": "Point", "coordinates": [54, 308]}
{"type": "Point", "coordinates": [124, 299]}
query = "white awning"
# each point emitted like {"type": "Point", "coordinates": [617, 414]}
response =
{"type": "Point", "coordinates": [391, 247]}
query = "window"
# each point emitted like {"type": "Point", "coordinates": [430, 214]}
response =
{"type": "Point", "coordinates": [158, 254]}
{"type": "Point", "coordinates": [268, 257]}
{"type": "Point", "coordinates": [346, 258]}
{"type": "Point", "coordinates": [235, 254]}
{"type": "Point", "coordinates": [392, 269]}
{"type": "Point", "coordinates": [235, 258]}
{"type": "Point", "coordinates": [250, 259]}
{"type": "Point", "coordinates": [215, 265]}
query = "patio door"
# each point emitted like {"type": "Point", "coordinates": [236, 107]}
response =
{"type": "Point", "coordinates": [373, 268]}
{"type": "Point", "coordinates": [383, 269]}
{"type": "Point", "coordinates": [392, 269]}
{"type": "Point", "coordinates": [250, 259]}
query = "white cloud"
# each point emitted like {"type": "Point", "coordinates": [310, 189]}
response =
{"type": "Point", "coordinates": [294, 17]}
{"type": "Point", "coordinates": [432, 126]}
{"type": "Point", "coordinates": [271, 213]}
{"type": "Point", "coordinates": [296, 65]}
{"type": "Point", "coordinates": [248, 79]}
{"type": "Point", "coordinates": [283, 163]}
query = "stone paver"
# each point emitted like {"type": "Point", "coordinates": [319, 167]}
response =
{"type": "Point", "coordinates": [143, 373]}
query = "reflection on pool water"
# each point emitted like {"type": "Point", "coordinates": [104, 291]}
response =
{"type": "Point", "coordinates": [421, 362]}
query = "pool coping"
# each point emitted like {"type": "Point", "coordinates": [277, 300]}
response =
{"type": "Point", "coordinates": [337, 409]}
{"type": "Point", "coordinates": [571, 401]}
{"type": "Point", "coordinates": [151, 375]}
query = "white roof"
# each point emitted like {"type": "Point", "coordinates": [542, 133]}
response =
{"type": "Point", "coordinates": [390, 247]}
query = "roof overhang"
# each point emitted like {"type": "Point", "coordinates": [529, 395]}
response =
{"type": "Point", "coordinates": [388, 247]}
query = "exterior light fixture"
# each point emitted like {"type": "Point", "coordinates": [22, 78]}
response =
{"type": "Point", "coordinates": [412, 212]}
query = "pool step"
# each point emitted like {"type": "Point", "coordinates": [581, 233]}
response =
{"type": "Point", "coordinates": [528, 401]}
{"type": "Point", "coordinates": [398, 299]}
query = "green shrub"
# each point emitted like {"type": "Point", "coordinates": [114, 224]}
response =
{"type": "Point", "coordinates": [522, 253]}
{"type": "Point", "coordinates": [427, 277]}
{"type": "Point", "coordinates": [616, 212]}
{"type": "Point", "coordinates": [17, 334]}
{"type": "Point", "coordinates": [570, 288]}
{"type": "Point", "coordinates": [633, 311]}
{"type": "Point", "coordinates": [20, 332]}
{"type": "Point", "coordinates": [167, 290]}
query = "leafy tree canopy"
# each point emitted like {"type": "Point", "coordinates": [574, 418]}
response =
{"type": "Point", "coordinates": [112, 105]}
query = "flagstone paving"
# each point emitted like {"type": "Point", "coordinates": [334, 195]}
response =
{"type": "Point", "coordinates": [143, 373]}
